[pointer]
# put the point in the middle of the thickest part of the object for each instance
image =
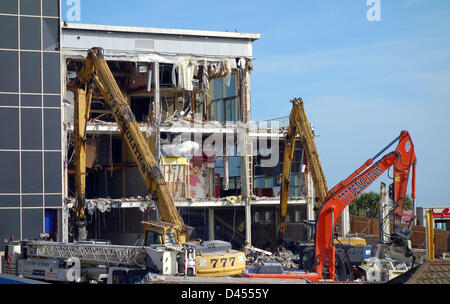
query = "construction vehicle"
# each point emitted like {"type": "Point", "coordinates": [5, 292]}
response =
{"type": "Point", "coordinates": [103, 262]}
{"type": "Point", "coordinates": [95, 70]}
{"type": "Point", "coordinates": [402, 160]}
{"type": "Point", "coordinates": [321, 260]}
{"type": "Point", "coordinates": [430, 235]}
{"type": "Point", "coordinates": [79, 262]}
{"type": "Point", "coordinates": [166, 250]}
{"type": "Point", "coordinates": [299, 126]}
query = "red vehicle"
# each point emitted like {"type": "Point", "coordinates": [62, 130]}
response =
{"type": "Point", "coordinates": [323, 265]}
{"type": "Point", "coordinates": [402, 159]}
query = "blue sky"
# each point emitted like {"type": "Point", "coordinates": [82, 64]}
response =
{"type": "Point", "coordinates": [362, 82]}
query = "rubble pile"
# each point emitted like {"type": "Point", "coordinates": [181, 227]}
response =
{"type": "Point", "coordinates": [282, 255]}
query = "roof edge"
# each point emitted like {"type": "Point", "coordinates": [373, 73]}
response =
{"type": "Point", "coordinates": [163, 31]}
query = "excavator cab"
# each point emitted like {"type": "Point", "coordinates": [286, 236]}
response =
{"type": "Point", "coordinates": [211, 258]}
{"type": "Point", "coordinates": [157, 238]}
{"type": "Point", "coordinates": [161, 233]}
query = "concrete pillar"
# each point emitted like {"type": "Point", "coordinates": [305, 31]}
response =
{"type": "Point", "coordinates": [211, 223]}
{"type": "Point", "coordinates": [211, 182]}
{"type": "Point", "coordinates": [345, 222]}
{"type": "Point", "coordinates": [310, 210]}
{"type": "Point", "coordinates": [384, 222]}
{"type": "Point", "coordinates": [248, 222]}
{"type": "Point", "coordinates": [245, 151]}
{"type": "Point", "coordinates": [243, 138]}
{"type": "Point", "coordinates": [156, 114]}
{"type": "Point", "coordinates": [65, 224]}
{"type": "Point", "coordinates": [226, 180]}
{"type": "Point", "coordinates": [310, 215]}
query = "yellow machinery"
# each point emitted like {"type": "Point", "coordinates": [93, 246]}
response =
{"type": "Point", "coordinates": [213, 258]}
{"type": "Point", "coordinates": [171, 230]}
{"type": "Point", "coordinates": [299, 125]}
{"type": "Point", "coordinates": [430, 235]}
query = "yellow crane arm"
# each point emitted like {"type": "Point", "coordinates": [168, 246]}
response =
{"type": "Point", "coordinates": [95, 69]}
{"type": "Point", "coordinates": [298, 124]}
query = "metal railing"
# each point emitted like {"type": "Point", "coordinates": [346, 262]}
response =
{"type": "Point", "coordinates": [275, 123]}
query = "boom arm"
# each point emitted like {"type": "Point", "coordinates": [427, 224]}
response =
{"type": "Point", "coordinates": [298, 124]}
{"type": "Point", "coordinates": [95, 69]}
{"type": "Point", "coordinates": [347, 190]}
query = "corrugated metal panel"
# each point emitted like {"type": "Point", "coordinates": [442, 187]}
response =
{"type": "Point", "coordinates": [147, 44]}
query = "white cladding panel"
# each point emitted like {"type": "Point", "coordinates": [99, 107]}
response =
{"type": "Point", "coordinates": [77, 39]}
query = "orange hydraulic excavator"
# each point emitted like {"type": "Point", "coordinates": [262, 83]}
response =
{"type": "Point", "coordinates": [323, 260]}
{"type": "Point", "coordinates": [402, 159]}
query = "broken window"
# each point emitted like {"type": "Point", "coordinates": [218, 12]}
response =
{"type": "Point", "coordinates": [111, 171]}
{"type": "Point", "coordinates": [234, 175]}
{"type": "Point", "coordinates": [267, 180]}
{"type": "Point", "coordinates": [140, 106]}
{"type": "Point", "coordinates": [104, 165]}
{"type": "Point", "coordinates": [225, 105]}
{"type": "Point", "coordinates": [198, 219]}
{"type": "Point", "coordinates": [263, 217]}
{"type": "Point", "coordinates": [294, 216]}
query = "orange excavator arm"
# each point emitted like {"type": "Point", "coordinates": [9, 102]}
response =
{"type": "Point", "coordinates": [402, 159]}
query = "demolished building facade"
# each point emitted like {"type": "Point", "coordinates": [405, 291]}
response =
{"type": "Point", "coordinates": [190, 91]}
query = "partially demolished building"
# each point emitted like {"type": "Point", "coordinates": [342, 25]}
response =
{"type": "Point", "coordinates": [190, 91]}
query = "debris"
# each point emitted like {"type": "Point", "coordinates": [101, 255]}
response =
{"type": "Point", "coordinates": [256, 256]}
{"type": "Point", "coordinates": [187, 148]}
{"type": "Point", "coordinates": [100, 204]}
{"type": "Point", "coordinates": [151, 277]}
{"type": "Point", "coordinates": [105, 204]}
{"type": "Point", "coordinates": [251, 248]}
{"type": "Point", "coordinates": [232, 199]}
